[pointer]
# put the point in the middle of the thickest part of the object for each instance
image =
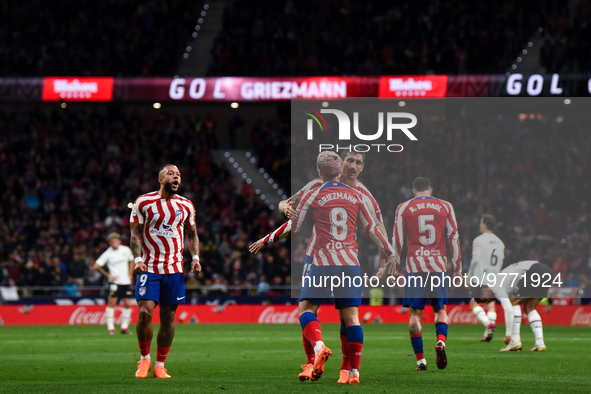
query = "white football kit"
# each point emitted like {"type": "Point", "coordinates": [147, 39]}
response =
{"type": "Point", "coordinates": [118, 263]}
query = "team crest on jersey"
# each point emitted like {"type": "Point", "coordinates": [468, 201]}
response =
{"type": "Point", "coordinates": [142, 291]}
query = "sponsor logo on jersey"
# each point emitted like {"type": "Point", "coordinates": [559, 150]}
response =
{"type": "Point", "coordinates": [427, 253]}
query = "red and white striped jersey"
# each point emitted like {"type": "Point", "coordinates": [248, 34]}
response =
{"type": "Point", "coordinates": [336, 210]}
{"type": "Point", "coordinates": [424, 221]}
{"type": "Point", "coordinates": [284, 231]}
{"type": "Point", "coordinates": [164, 221]}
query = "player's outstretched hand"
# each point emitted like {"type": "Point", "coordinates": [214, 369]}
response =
{"type": "Point", "coordinates": [381, 271]}
{"type": "Point", "coordinates": [394, 268]}
{"type": "Point", "coordinates": [112, 278]}
{"type": "Point", "coordinates": [196, 267]}
{"type": "Point", "coordinates": [288, 211]}
{"type": "Point", "coordinates": [257, 246]}
{"type": "Point", "coordinates": [140, 267]}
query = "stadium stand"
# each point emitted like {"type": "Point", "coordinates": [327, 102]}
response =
{"type": "Point", "coordinates": [335, 37]}
{"type": "Point", "coordinates": [114, 38]}
{"type": "Point", "coordinates": [88, 166]}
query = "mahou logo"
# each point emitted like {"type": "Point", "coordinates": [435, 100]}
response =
{"type": "Point", "coordinates": [413, 86]}
{"type": "Point", "coordinates": [580, 318]}
{"type": "Point", "coordinates": [82, 316]}
{"type": "Point", "coordinates": [270, 316]}
{"type": "Point", "coordinates": [457, 315]}
{"type": "Point", "coordinates": [78, 89]}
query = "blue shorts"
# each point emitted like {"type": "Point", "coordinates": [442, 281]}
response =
{"type": "Point", "coordinates": [417, 296]}
{"type": "Point", "coordinates": [166, 289]}
{"type": "Point", "coordinates": [345, 295]}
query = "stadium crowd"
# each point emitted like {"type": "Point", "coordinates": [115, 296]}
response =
{"type": "Point", "coordinates": [70, 176]}
{"type": "Point", "coordinates": [532, 174]}
{"type": "Point", "coordinates": [336, 37]}
{"type": "Point", "coordinates": [111, 37]}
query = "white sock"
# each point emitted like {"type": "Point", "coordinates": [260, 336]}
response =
{"type": "Point", "coordinates": [422, 361]}
{"type": "Point", "coordinates": [110, 314]}
{"type": "Point", "coordinates": [158, 364]}
{"type": "Point", "coordinates": [480, 315]}
{"type": "Point", "coordinates": [146, 358]}
{"type": "Point", "coordinates": [125, 318]}
{"type": "Point", "coordinates": [516, 332]}
{"type": "Point", "coordinates": [318, 346]}
{"type": "Point", "coordinates": [492, 317]}
{"type": "Point", "coordinates": [353, 372]}
{"type": "Point", "coordinates": [535, 322]}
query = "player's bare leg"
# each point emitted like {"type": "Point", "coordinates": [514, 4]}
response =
{"type": "Point", "coordinates": [312, 331]}
{"type": "Point", "coordinates": [126, 316]}
{"type": "Point", "coordinates": [354, 341]}
{"type": "Point", "coordinates": [164, 339]}
{"type": "Point", "coordinates": [441, 331]}
{"type": "Point", "coordinates": [145, 332]}
{"type": "Point", "coordinates": [416, 336]}
{"type": "Point", "coordinates": [535, 322]}
{"type": "Point", "coordinates": [514, 343]}
{"type": "Point", "coordinates": [345, 365]}
{"type": "Point", "coordinates": [110, 314]}
{"type": "Point", "coordinates": [487, 318]}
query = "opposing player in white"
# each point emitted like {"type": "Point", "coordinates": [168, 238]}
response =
{"type": "Point", "coordinates": [119, 259]}
{"type": "Point", "coordinates": [488, 253]}
{"type": "Point", "coordinates": [523, 283]}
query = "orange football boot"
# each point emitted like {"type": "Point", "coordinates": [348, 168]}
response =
{"type": "Point", "coordinates": [160, 372]}
{"type": "Point", "coordinates": [308, 370]}
{"type": "Point", "coordinates": [143, 367]}
{"type": "Point", "coordinates": [322, 356]}
{"type": "Point", "coordinates": [354, 379]}
{"type": "Point", "coordinates": [343, 376]}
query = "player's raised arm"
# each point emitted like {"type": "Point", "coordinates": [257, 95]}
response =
{"type": "Point", "coordinates": [302, 209]}
{"type": "Point", "coordinates": [454, 238]}
{"type": "Point", "coordinates": [277, 235]}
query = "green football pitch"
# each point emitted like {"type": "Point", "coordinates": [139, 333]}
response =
{"type": "Point", "coordinates": [266, 359]}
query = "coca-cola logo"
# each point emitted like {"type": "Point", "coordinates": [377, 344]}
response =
{"type": "Point", "coordinates": [580, 318]}
{"type": "Point", "coordinates": [83, 316]}
{"type": "Point", "coordinates": [458, 315]}
{"type": "Point", "coordinates": [270, 316]}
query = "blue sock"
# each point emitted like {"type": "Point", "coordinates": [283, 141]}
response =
{"type": "Point", "coordinates": [343, 328]}
{"type": "Point", "coordinates": [417, 345]}
{"type": "Point", "coordinates": [306, 318]}
{"type": "Point", "coordinates": [441, 331]}
{"type": "Point", "coordinates": [354, 334]}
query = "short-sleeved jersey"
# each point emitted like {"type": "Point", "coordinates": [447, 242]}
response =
{"type": "Point", "coordinates": [336, 209]}
{"type": "Point", "coordinates": [164, 221]}
{"type": "Point", "coordinates": [508, 278]}
{"type": "Point", "coordinates": [117, 260]}
{"type": "Point", "coordinates": [284, 230]}
{"type": "Point", "coordinates": [424, 223]}
{"type": "Point", "coordinates": [488, 253]}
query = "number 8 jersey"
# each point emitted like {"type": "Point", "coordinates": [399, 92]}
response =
{"type": "Point", "coordinates": [336, 209]}
{"type": "Point", "coordinates": [424, 222]}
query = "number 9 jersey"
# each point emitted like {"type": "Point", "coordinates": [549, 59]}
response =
{"type": "Point", "coordinates": [336, 209]}
{"type": "Point", "coordinates": [424, 222]}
